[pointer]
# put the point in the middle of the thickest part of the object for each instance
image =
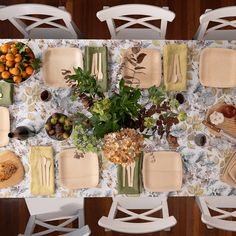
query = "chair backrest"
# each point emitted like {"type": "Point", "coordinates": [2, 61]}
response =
{"type": "Point", "coordinates": [219, 206]}
{"type": "Point", "coordinates": [18, 14]}
{"type": "Point", "coordinates": [217, 16]}
{"type": "Point", "coordinates": [150, 224]}
{"type": "Point", "coordinates": [124, 13]}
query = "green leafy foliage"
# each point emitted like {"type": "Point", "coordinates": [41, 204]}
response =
{"type": "Point", "coordinates": [174, 103]}
{"type": "Point", "coordinates": [157, 95]}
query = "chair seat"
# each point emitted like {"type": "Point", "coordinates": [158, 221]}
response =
{"type": "Point", "coordinates": [50, 33]}
{"type": "Point", "coordinates": [134, 228]}
{"type": "Point", "coordinates": [221, 35]}
{"type": "Point", "coordinates": [218, 223]}
{"type": "Point", "coordinates": [135, 33]}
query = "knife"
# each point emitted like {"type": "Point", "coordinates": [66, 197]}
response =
{"type": "Point", "coordinates": [220, 131]}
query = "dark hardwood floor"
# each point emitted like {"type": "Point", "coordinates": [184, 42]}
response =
{"type": "Point", "coordinates": [13, 212]}
{"type": "Point", "coordinates": [14, 216]}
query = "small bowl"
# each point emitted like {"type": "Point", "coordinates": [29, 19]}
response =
{"type": "Point", "coordinates": [59, 127]}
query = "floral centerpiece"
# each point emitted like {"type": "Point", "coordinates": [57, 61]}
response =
{"type": "Point", "coordinates": [126, 117]}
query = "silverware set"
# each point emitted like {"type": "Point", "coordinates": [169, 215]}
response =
{"type": "Point", "coordinates": [96, 67]}
{"type": "Point", "coordinates": [175, 72]}
{"type": "Point", "coordinates": [44, 165]}
{"type": "Point", "coordinates": [129, 169]}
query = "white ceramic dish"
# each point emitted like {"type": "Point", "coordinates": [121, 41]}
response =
{"type": "Point", "coordinates": [148, 73]}
{"type": "Point", "coordinates": [77, 173]}
{"type": "Point", "coordinates": [162, 171]}
{"type": "Point", "coordinates": [55, 60]}
{"type": "Point", "coordinates": [217, 67]}
{"type": "Point", "coordinates": [4, 126]}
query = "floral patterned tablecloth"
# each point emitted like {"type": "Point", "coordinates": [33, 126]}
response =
{"type": "Point", "coordinates": [201, 165]}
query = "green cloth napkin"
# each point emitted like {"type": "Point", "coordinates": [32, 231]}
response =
{"type": "Point", "coordinates": [169, 52]}
{"type": "Point", "coordinates": [89, 51]}
{"type": "Point", "coordinates": [136, 189]}
{"type": "Point", "coordinates": [6, 94]}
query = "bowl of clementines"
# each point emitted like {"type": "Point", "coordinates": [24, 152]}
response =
{"type": "Point", "coordinates": [17, 62]}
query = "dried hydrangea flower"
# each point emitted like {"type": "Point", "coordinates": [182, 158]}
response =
{"type": "Point", "coordinates": [123, 147]}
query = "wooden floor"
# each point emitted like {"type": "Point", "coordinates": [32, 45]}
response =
{"type": "Point", "coordinates": [83, 12]}
{"type": "Point", "coordinates": [14, 216]}
{"type": "Point", "coordinates": [13, 212]}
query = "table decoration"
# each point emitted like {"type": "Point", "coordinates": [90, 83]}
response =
{"type": "Point", "coordinates": [96, 58]}
{"type": "Point", "coordinates": [6, 94]}
{"type": "Point", "coordinates": [11, 169]}
{"type": "Point", "coordinates": [4, 126]}
{"type": "Point", "coordinates": [18, 62]}
{"type": "Point", "coordinates": [58, 62]}
{"type": "Point", "coordinates": [42, 170]}
{"type": "Point", "coordinates": [77, 169]}
{"type": "Point", "coordinates": [175, 67]}
{"type": "Point", "coordinates": [141, 67]}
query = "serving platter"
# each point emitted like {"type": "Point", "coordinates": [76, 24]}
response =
{"type": "Point", "coordinates": [162, 171]}
{"type": "Point", "coordinates": [141, 67]}
{"type": "Point", "coordinates": [58, 63]}
{"type": "Point", "coordinates": [229, 124]}
{"type": "Point", "coordinates": [78, 170]}
{"type": "Point", "coordinates": [217, 67]}
{"type": "Point", "coordinates": [4, 126]}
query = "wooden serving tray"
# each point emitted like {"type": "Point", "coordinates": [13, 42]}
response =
{"type": "Point", "coordinates": [229, 124]}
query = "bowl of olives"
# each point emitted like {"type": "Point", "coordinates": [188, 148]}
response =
{"type": "Point", "coordinates": [59, 126]}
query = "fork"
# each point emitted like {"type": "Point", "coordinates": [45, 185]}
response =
{"type": "Point", "coordinates": [99, 74]}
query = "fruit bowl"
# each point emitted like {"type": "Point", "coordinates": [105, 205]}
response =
{"type": "Point", "coordinates": [17, 62]}
{"type": "Point", "coordinates": [59, 126]}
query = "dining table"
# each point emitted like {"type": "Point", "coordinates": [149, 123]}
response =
{"type": "Point", "coordinates": [202, 166]}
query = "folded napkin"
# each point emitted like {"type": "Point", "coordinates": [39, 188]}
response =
{"type": "Point", "coordinates": [170, 51]}
{"type": "Point", "coordinates": [136, 189]}
{"type": "Point", "coordinates": [39, 185]}
{"type": "Point", "coordinates": [229, 172]}
{"type": "Point", "coordinates": [89, 51]}
{"type": "Point", "coordinates": [6, 94]}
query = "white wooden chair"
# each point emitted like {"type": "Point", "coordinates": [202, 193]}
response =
{"type": "Point", "coordinates": [20, 13]}
{"type": "Point", "coordinates": [127, 204]}
{"type": "Point", "coordinates": [216, 32]}
{"type": "Point", "coordinates": [124, 13]}
{"type": "Point", "coordinates": [44, 210]}
{"type": "Point", "coordinates": [216, 204]}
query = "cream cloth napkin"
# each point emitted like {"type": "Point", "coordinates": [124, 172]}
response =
{"type": "Point", "coordinates": [229, 172]}
{"type": "Point", "coordinates": [169, 52]}
{"type": "Point", "coordinates": [37, 153]}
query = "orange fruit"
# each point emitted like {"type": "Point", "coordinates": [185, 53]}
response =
{"type": "Point", "coordinates": [2, 67]}
{"type": "Point", "coordinates": [9, 63]}
{"type": "Point", "coordinates": [23, 74]}
{"type": "Point", "coordinates": [17, 79]}
{"type": "Point", "coordinates": [10, 57]}
{"type": "Point", "coordinates": [5, 75]}
{"type": "Point", "coordinates": [17, 64]}
{"type": "Point", "coordinates": [25, 64]}
{"type": "Point", "coordinates": [29, 70]}
{"type": "Point", "coordinates": [3, 58]}
{"type": "Point", "coordinates": [13, 45]}
{"type": "Point", "coordinates": [28, 50]}
{"type": "Point", "coordinates": [18, 57]}
{"type": "Point", "coordinates": [14, 71]}
{"type": "Point", "coordinates": [14, 51]}
{"type": "Point", "coordinates": [4, 48]}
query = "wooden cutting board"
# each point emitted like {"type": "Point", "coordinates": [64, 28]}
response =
{"type": "Point", "coordinates": [229, 124]}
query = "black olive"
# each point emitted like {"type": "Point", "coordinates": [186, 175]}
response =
{"type": "Point", "coordinates": [180, 98]}
{"type": "Point", "coordinates": [200, 139]}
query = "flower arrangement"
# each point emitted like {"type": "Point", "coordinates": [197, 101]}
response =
{"type": "Point", "coordinates": [122, 120]}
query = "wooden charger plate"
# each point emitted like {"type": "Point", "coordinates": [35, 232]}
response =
{"type": "Point", "coordinates": [217, 67]}
{"type": "Point", "coordinates": [147, 66]}
{"type": "Point", "coordinates": [4, 126]}
{"type": "Point", "coordinates": [77, 173]}
{"type": "Point", "coordinates": [229, 124]}
{"type": "Point", "coordinates": [18, 176]}
{"type": "Point", "coordinates": [162, 171]}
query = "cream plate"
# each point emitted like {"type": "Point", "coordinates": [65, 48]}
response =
{"type": "Point", "coordinates": [217, 67]}
{"type": "Point", "coordinates": [162, 171]}
{"type": "Point", "coordinates": [55, 61]}
{"type": "Point", "coordinates": [4, 126]}
{"type": "Point", "coordinates": [80, 172]}
{"type": "Point", "coordinates": [143, 68]}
